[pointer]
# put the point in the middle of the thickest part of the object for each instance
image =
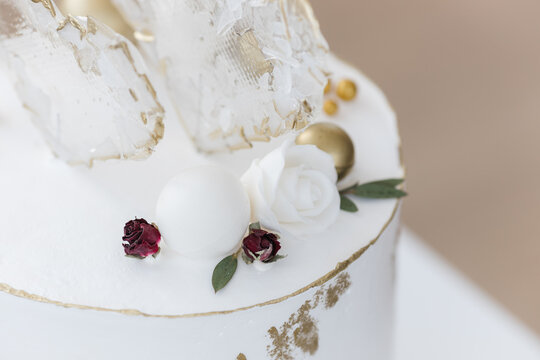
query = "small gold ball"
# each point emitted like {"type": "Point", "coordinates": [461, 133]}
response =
{"type": "Point", "coordinates": [333, 140]}
{"type": "Point", "coordinates": [346, 89]}
{"type": "Point", "coordinates": [328, 87]}
{"type": "Point", "coordinates": [330, 107]}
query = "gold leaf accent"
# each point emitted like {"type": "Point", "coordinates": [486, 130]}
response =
{"type": "Point", "coordinates": [334, 292]}
{"type": "Point", "coordinates": [241, 357]}
{"type": "Point", "coordinates": [75, 23]}
{"type": "Point", "coordinates": [300, 331]}
{"type": "Point", "coordinates": [144, 118]}
{"type": "Point", "coordinates": [133, 95]}
{"type": "Point", "coordinates": [48, 5]}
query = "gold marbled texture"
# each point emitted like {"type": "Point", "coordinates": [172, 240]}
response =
{"type": "Point", "coordinates": [300, 331]}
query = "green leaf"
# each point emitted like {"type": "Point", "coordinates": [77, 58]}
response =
{"type": "Point", "coordinates": [276, 258]}
{"type": "Point", "coordinates": [387, 182]}
{"type": "Point", "coordinates": [223, 272]}
{"type": "Point", "coordinates": [135, 257]}
{"type": "Point", "coordinates": [377, 190]}
{"type": "Point", "coordinates": [347, 204]}
{"type": "Point", "coordinates": [255, 226]}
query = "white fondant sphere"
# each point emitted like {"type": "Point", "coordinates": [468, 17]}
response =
{"type": "Point", "coordinates": [203, 212]}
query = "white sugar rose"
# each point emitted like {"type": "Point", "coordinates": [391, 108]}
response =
{"type": "Point", "coordinates": [294, 188]}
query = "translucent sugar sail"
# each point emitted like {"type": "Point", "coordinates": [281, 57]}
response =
{"type": "Point", "coordinates": [85, 85]}
{"type": "Point", "coordinates": [237, 70]}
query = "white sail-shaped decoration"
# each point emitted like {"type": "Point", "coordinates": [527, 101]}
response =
{"type": "Point", "coordinates": [85, 85]}
{"type": "Point", "coordinates": [237, 70]}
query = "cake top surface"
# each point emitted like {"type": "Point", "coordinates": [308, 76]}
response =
{"type": "Point", "coordinates": [62, 225]}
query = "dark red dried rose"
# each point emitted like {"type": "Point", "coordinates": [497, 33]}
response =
{"type": "Point", "coordinates": [141, 239]}
{"type": "Point", "coordinates": [261, 245]}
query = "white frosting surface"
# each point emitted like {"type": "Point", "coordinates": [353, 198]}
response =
{"type": "Point", "coordinates": [61, 226]}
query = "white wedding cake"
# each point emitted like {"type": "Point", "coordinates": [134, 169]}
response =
{"type": "Point", "coordinates": [221, 187]}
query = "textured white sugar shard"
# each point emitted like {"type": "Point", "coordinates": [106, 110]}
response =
{"type": "Point", "coordinates": [84, 85]}
{"type": "Point", "coordinates": [237, 70]}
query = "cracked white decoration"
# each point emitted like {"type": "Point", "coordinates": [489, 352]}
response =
{"type": "Point", "coordinates": [84, 84]}
{"type": "Point", "coordinates": [238, 70]}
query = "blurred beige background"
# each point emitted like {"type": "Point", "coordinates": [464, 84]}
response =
{"type": "Point", "coordinates": [464, 78]}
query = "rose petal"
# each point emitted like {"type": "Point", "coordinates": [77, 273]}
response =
{"type": "Point", "coordinates": [326, 190]}
{"type": "Point", "coordinates": [311, 157]}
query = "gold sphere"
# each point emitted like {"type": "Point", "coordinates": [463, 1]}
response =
{"type": "Point", "coordinates": [330, 107]}
{"type": "Point", "coordinates": [103, 10]}
{"type": "Point", "coordinates": [346, 89]}
{"type": "Point", "coordinates": [333, 140]}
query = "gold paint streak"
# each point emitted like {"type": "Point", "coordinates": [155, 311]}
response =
{"type": "Point", "coordinates": [74, 22]}
{"type": "Point", "coordinates": [328, 87]}
{"type": "Point", "coordinates": [216, 134]}
{"type": "Point", "coordinates": [29, 108]}
{"type": "Point", "coordinates": [91, 25]}
{"type": "Point", "coordinates": [133, 95]}
{"type": "Point", "coordinates": [258, 138]}
{"type": "Point", "coordinates": [334, 292]}
{"type": "Point", "coordinates": [281, 343]}
{"type": "Point", "coordinates": [159, 127]}
{"type": "Point", "coordinates": [285, 21]}
{"type": "Point", "coordinates": [315, 77]}
{"type": "Point", "coordinates": [48, 5]}
{"type": "Point", "coordinates": [144, 118]}
{"type": "Point", "coordinates": [306, 336]}
{"type": "Point", "coordinates": [276, 109]}
{"type": "Point", "coordinates": [243, 135]}
{"type": "Point", "coordinates": [300, 331]}
{"type": "Point", "coordinates": [240, 146]}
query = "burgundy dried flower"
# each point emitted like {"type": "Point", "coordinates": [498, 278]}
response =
{"type": "Point", "coordinates": [261, 245]}
{"type": "Point", "coordinates": [141, 238]}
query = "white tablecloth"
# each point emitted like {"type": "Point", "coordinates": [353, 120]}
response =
{"type": "Point", "coordinates": [441, 315]}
